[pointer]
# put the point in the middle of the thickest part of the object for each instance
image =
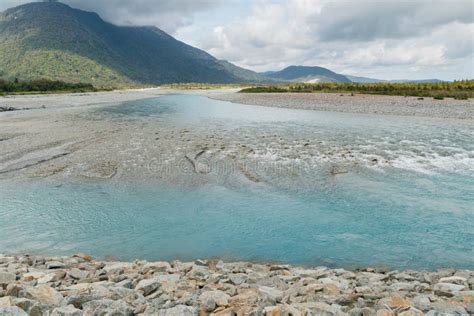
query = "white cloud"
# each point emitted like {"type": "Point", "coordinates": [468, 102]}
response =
{"type": "Point", "coordinates": [390, 39]}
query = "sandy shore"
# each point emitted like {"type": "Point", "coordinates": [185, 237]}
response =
{"type": "Point", "coordinates": [80, 285]}
{"type": "Point", "coordinates": [371, 104]}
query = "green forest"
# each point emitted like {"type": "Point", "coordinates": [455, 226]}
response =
{"type": "Point", "coordinates": [43, 86]}
{"type": "Point", "coordinates": [462, 89]}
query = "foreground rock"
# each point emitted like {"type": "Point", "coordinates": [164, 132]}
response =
{"type": "Point", "coordinates": [80, 285]}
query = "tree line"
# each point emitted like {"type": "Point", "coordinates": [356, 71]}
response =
{"type": "Point", "coordinates": [43, 85]}
{"type": "Point", "coordinates": [461, 89]}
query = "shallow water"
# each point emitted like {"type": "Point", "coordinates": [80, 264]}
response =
{"type": "Point", "coordinates": [416, 212]}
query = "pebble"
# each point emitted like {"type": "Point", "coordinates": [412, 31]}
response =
{"type": "Point", "coordinates": [80, 285]}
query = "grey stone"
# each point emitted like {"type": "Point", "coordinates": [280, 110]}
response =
{"type": "Point", "coordinates": [55, 265]}
{"type": "Point", "coordinates": [179, 310]}
{"type": "Point", "coordinates": [445, 308]}
{"type": "Point", "coordinates": [209, 300]}
{"type": "Point", "coordinates": [126, 284]}
{"type": "Point", "coordinates": [447, 289]}
{"type": "Point", "coordinates": [79, 300]}
{"type": "Point", "coordinates": [238, 278]}
{"type": "Point", "coordinates": [66, 311]}
{"type": "Point", "coordinates": [148, 286]}
{"type": "Point", "coordinates": [78, 274]}
{"type": "Point", "coordinates": [107, 307]}
{"type": "Point", "coordinates": [270, 294]}
{"type": "Point", "coordinates": [454, 280]}
{"type": "Point", "coordinates": [422, 302]}
{"type": "Point", "coordinates": [7, 277]}
{"type": "Point", "coordinates": [12, 311]}
{"type": "Point", "coordinates": [24, 303]}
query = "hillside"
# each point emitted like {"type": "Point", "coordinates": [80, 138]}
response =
{"type": "Point", "coordinates": [306, 74]}
{"type": "Point", "coordinates": [54, 41]}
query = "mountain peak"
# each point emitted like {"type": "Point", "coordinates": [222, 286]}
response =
{"type": "Point", "coordinates": [310, 74]}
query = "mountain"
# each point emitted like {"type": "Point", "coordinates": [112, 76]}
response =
{"type": "Point", "coordinates": [372, 80]}
{"type": "Point", "coordinates": [306, 74]}
{"type": "Point", "coordinates": [51, 40]}
{"type": "Point", "coordinates": [363, 79]}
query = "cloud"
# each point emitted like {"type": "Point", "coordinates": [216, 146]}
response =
{"type": "Point", "coordinates": [369, 19]}
{"type": "Point", "coordinates": [167, 15]}
{"type": "Point", "coordinates": [391, 39]}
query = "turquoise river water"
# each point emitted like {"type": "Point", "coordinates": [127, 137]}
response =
{"type": "Point", "coordinates": [417, 212]}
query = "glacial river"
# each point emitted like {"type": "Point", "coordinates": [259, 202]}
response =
{"type": "Point", "coordinates": [409, 203]}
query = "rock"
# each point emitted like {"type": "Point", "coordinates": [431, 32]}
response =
{"type": "Point", "coordinates": [79, 300]}
{"type": "Point", "coordinates": [210, 299]}
{"type": "Point", "coordinates": [167, 277]}
{"type": "Point", "coordinates": [395, 301]}
{"type": "Point", "coordinates": [446, 308]}
{"type": "Point", "coordinates": [39, 309]}
{"type": "Point", "coordinates": [270, 294]}
{"type": "Point", "coordinates": [238, 278]}
{"type": "Point", "coordinates": [158, 267]}
{"type": "Point", "coordinates": [6, 301]}
{"type": "Point", "coordinates": [321, 309]}
{"type": "Point", "coordinates": [422, 302]}
{"type": "Point", "coordinates": [16, 290]}
{"type": "Point", "coordinates": [45, 294]}
{"type": "Point", "coordinates": [12, 311]}
{"type": "Point", "coordinates": [385, 312]}
{"type": "Point", "coordinates": [470, 308]}
{"type": "Point", "coordinates": [454, 280]}
{"type": "Point", "coordinates": [179, 310]}
{"type": "Point", "coordinates": [55, 265]}
{"type": "Point", "coordinates": [107, 307]}
{"type": "Point", "coordinates": [116, 267]}
{"type": "Point", "coordinates": [24, 303]}
{"type": "Point", "coordinates": [447, 289]}
{"type": "Point", "coordinates": [244, 297]}
{"type": "Point", "coordinates": [126, 284]}
{"type": "Point", "coordinates": [7, 277]}
{"type": "Point", "coordinates": [411, 312]}
{"type": "Point", "coordinates": [78, 274]}
{"type": "Point", "coordinates": [66, 311]}
{"type": "Point", "coordinates": [148, 286]}
{"type": "Point", "coordinates": [199, 262]}
{"type": "Point", "coordinates": [331, 289]}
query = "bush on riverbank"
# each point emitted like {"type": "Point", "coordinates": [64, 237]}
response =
{"type": "Point", "coordinates": [463, 89]}
{"type": "Point", "coordinates": [41, 86]}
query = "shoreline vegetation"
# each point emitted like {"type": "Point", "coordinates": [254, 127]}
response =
{"type": "Point", "coordinates": [82, 285]}
{"type": "Point", "coordinates": [460, 90]}
{"type": "Point", "coordinates": [44, 86]}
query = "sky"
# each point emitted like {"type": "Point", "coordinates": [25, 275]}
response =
{"type": "Point", "coordinates": [386, 39]}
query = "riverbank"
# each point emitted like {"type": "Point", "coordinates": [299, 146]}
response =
{"type": "Point", "coordinates": [81, 285]}
{"type": "Point", "coordinates": [359, 103]}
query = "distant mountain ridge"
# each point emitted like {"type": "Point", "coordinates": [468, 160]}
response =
{"type": "Point", "coordinates": [306, 74]}
{"type": "Point", "coordinates": [54, 41]}
{"type": "Point", "coordinates": [372, 80]}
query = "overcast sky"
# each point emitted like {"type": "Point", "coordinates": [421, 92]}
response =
{"type": "Point", "coordinates": [388, 39]}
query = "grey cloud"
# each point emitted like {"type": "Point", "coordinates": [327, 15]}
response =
{"type": "Point", "coordinates": [366, 20]}
{"type": "Point", "coordinates": [165, 14]}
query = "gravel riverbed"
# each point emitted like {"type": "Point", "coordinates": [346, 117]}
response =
{"type": "Point", "coordinates": [81, 285]}
{"type": "Point", "coordinates": [369, 104]}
